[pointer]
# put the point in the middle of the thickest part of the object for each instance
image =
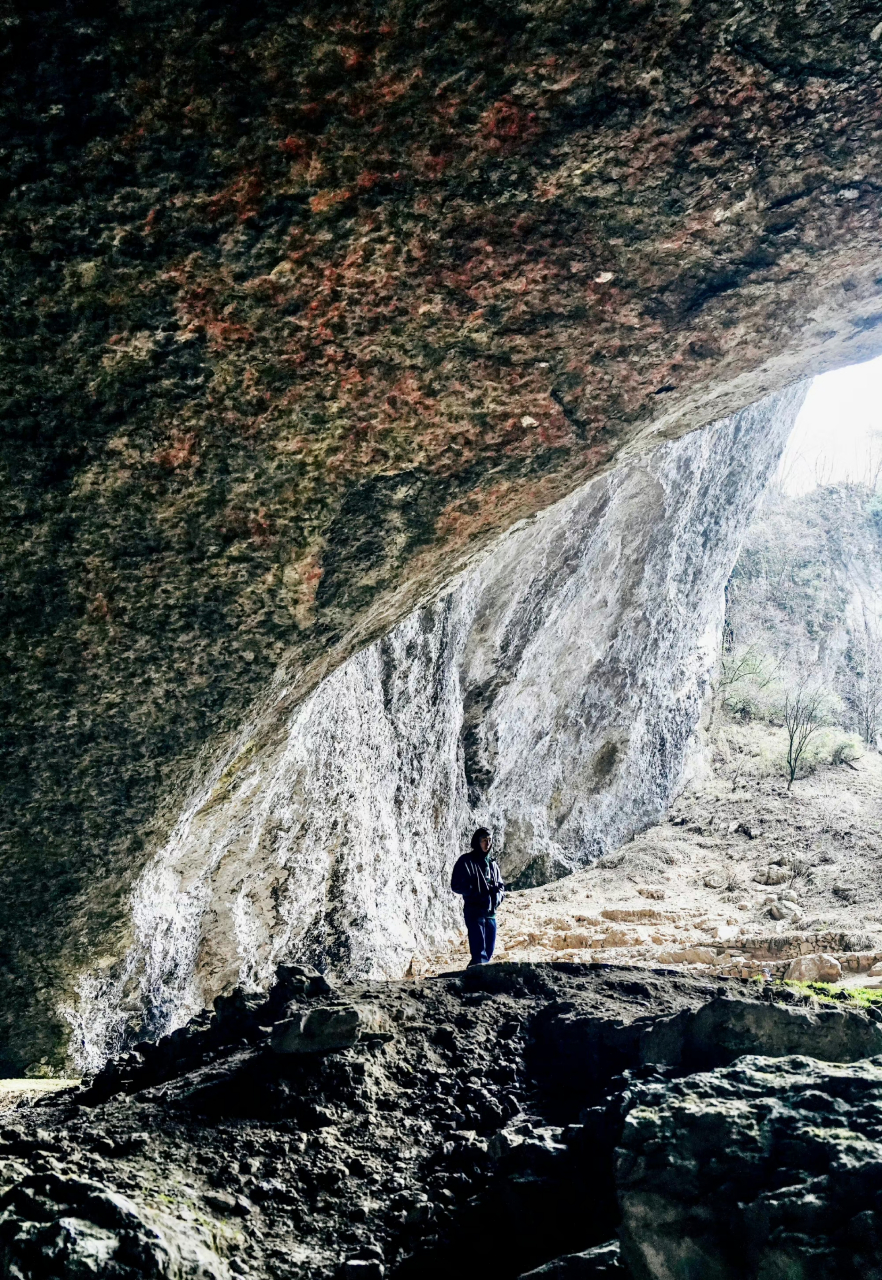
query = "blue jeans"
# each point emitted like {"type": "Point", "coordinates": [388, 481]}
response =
{"type": "Point", "coordinates": [482, 937]}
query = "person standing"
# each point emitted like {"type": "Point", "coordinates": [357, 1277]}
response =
{"type": "Point", "coordinates": [476, 876]}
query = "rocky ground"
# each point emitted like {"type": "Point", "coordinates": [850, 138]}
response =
{"type": "Point", "coordinates": [753, 1171]}
{"type": "Point", "coordinates": [398, 1128]}
{"type": "Point", "coordinates": [741, 878]}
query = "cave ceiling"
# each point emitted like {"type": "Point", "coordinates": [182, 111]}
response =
{"type": "Point", "coordinates": [303, 303]}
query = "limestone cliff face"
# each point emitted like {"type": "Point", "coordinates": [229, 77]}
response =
{"type": "Point", "coordinates": [304, 304]}
{"type": "Point", "coordinates": [552, 693]}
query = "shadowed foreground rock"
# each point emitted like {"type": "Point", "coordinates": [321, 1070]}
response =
{"type": "Point", "coordinates": [54, 1225]}
{"type": "Point", "coordinates": [593, 1264]}
{"type": "Point", "coordinates": [767, 1168]}
{"type": "Point", "coordinates": [446, 1137]}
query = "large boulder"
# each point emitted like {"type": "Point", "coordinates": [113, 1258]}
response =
{"type": "Point", "coordinates": [577, 1048]}
{"type": "Point", "coordinates": [820, 968]}
{"type": "Point", "coordinates": [56, 1227]}
{"type": "Point", "coordinates": [773, 875]}
{"type": "Point", "coordinates": [723, 1030]}
{"type": "Point", "coordinates": [329, 1028]}
{"type": "Point", "coordinates": [771, 1168]}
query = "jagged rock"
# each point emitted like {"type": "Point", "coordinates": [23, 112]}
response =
{"type": "Point", "coordinates": [572, 941]}
{"type": "Point", "coordinates": [64, 1228]}
{"type": "Point", "coordinates": [723, 1030]}
{"type": "Point", "coordinates": [860, 942]}
{"type": "Point", "coordinates": [689, 955]}
{"type": "Point", "coordinates": [329, 1028]}
{"type": "Point", "coordinates": [772, 875]}
{"type": "Point", "coordinates": [362, 1269]}
{"type": "Point", "coordinates": [639, 915]}
{"type": "Point", "coordinates": [238, 1009]}
{"type": "Point", "coordinates": [618, 938]}
{"type": "Point", "coordinates": [604, 1260]}
{"type": "Point", "coordinates": [535, 1151]}
{"type": "Point", "coordinates": [784, 909]}
{"type": "Point", "coordinates": [224, 1203]}
{"type": "Point", "coordinates": [299, 981]}
{"type": "Point", "coordinates": [819, 968]}
{"type": "Point", "coordinates": [771, 1167]}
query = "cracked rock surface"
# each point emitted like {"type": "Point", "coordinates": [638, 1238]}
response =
{"type": "Point", "coordinates": [767, 1168]}
{"type": "Point", "coordinates": [495, 1096]}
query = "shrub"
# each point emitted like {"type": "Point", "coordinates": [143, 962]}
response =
{"type": "Point", "coordinates": [744, 683]}
{"type": "Point", "coordinates": [845, 749]}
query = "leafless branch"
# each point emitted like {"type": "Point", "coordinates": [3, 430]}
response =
{"type": "Point", "coordinates": [803, 717]}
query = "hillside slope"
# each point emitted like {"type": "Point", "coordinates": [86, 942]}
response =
{"type": "Point", "coordinates": [806, 594]}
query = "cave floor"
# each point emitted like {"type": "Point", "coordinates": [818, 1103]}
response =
{"type": "Point", "coordinates": [235, 1159]}
{"type": "Point", "coordinates": [477, 1124]}
{"type": "Point", "coordinates": [496, 1095]}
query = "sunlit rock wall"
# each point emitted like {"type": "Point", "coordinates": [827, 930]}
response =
{"type": "Point", "coordinates": [552, 693]}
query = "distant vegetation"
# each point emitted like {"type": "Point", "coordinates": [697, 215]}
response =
{"type": "Point", "coordinates": [802, 646]}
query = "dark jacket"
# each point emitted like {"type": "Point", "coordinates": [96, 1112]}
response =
{"type": "Point", "coordinates": [479, 883]}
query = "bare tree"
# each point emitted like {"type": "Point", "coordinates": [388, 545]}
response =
{"type": "Point", "coordinates": [803, 714]}
{"type": "Point", "coordinates": [742, 676]}
{"type": "Point", "coordinates": [745, 664]}
{"type": "Point", "coordinates": [824, 467]}
{"type": "Point", "coordinates": [874, 466]}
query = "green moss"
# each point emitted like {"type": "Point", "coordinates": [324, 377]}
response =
{"type": "Point", "coordinates": [827, 993]}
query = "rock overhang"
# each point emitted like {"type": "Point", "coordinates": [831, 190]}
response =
{"type": "Point", "coordinates": [301, 320]}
